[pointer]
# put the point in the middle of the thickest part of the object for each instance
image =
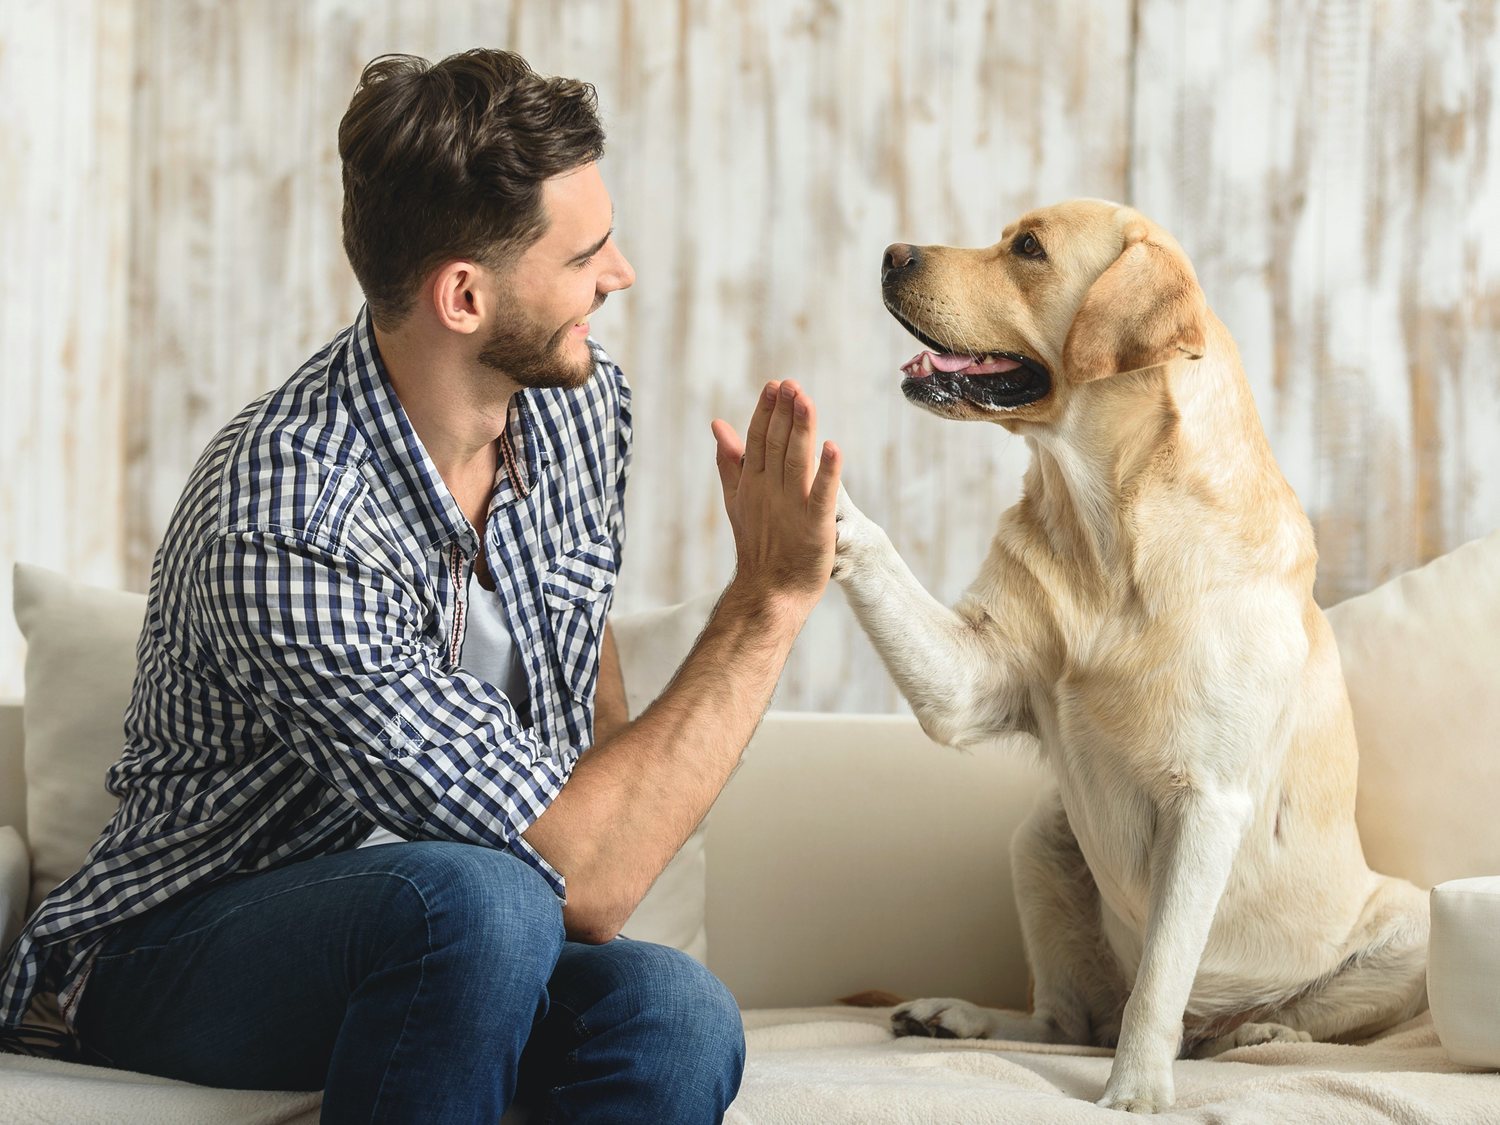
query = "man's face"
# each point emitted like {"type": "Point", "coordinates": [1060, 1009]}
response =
{"type": "Point", "coordinates": [540, 337]}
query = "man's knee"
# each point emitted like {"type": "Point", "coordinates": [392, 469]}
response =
{"type": "Point", "coordinates": [479, 904]}
{"type": "Point", "coordinates": [684, 1002]}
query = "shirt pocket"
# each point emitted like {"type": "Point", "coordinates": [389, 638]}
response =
{"type": "Point", "coordinates": [577, 590]}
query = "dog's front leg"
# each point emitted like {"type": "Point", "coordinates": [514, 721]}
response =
{"type": "Point", "coordinates": [1198, 835]}
{"type": "Point", "coordinates": [957, 669]}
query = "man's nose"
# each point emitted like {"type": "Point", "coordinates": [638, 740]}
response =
{"type": "Point", "coordinates": [622, 276]}
{"type": "Point", "coordinates": [899, 257]}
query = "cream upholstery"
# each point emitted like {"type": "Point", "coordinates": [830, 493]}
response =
{"type": "Point", "coordinates": [1464, 969]}
{"type": "Point", "coordinates": [1420, 655]}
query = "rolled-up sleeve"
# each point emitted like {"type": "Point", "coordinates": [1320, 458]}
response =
{"type": "Point", "coordinates": [327, 649]}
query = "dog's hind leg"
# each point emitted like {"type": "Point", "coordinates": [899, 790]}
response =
{"type": "Point", "coordinates": [1078, 986]}
{"type": "Point", "coordinates": [1079, 992]}
{"type": "Point", "coordinates": [1383, 979]}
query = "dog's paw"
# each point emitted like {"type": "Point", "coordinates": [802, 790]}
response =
{"type": "Point", "coordinates": [855, 534]}
{"type": "Point", "coordinates": [1252, 1035]}
{"type": "Point", "coordinates": [940, 1019]}
{"type": "Point", "coordinates": [1137, 1097]}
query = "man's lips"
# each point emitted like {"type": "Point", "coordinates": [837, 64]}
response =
{"type": "Point", "coordinates": [925, 363]}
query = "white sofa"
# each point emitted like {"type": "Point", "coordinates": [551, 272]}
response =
{"type": "Point", "coordinates": [850, 853]}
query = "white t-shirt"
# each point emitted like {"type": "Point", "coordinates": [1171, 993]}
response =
{"type": "Point", "coordinates": [489, 653]}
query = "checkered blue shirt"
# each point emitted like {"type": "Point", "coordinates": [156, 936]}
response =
{"type": "Point", "coordinates": [298, 677]}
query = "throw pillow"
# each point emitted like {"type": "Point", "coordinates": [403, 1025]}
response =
{"type": "Point", "coordinates": [1419, 656]}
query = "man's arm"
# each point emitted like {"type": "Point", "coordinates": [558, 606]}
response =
{"type": "Point", "coordinates": [639, 792]}
{"type": "Point", "coordinates": [610, 709]}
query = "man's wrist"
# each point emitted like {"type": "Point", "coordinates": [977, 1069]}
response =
{"type": "Point", "coordinates": [767, 608]}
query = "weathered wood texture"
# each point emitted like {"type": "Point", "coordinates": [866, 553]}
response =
{"type": "Point", "coordinates": [1334, 171]}
{"type": "Point", "coordinates": [1329, 167]}
{"type": "Point", "coordinates": [65, 73]}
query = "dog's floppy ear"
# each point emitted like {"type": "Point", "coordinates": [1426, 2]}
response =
{"type": "Point", "coordinates": [1145, 310]}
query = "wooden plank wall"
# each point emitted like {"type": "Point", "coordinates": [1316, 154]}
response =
{"type": "Point", "coordinates": [1328, 165]}
{"type": "Point", "coordinates": [65, 79]}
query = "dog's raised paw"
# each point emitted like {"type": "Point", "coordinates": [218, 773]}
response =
{"type": "Point", "coordinates": [940, 1019]}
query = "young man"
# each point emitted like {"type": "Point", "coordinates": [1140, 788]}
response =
{"type": "Point", "coordinates": [379, 613]}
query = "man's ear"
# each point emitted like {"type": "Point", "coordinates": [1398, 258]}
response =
{"type": "Point", "coordinates": [1145, 310]}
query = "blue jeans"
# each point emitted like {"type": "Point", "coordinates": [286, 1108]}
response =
{"type": "Point", "coordinates": [423, 982]}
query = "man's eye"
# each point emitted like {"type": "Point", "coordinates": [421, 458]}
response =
{"type": "Point", "coordinates": [583, 265]}
{"type": "Point", "coordinates": [1028, 247]}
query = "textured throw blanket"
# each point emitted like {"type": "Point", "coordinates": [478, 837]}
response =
{"type": "Point", "coordinates": [840, 1066]}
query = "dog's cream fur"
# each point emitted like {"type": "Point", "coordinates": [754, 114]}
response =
{"type": "Point", "coordinates": [1195, 882]}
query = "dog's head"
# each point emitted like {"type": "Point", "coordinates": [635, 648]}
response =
{"type": "Point", "coordinates": [1070, 294]}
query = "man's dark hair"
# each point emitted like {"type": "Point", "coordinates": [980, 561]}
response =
{"type": "Point", "coordinates": [447, 161]}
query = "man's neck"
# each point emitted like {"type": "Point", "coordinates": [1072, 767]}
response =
{"type": "Point", "coordinates": [456, 416]}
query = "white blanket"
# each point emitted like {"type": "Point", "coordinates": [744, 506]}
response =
{"type": "Point", "coordinates": [840, 1066]}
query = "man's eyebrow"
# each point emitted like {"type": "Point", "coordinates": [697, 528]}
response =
{"type": "Point", "coordinates": [595, 248]}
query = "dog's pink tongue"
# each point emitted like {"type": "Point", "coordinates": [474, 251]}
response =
{"type": "Point", "coordinates": [951, 362]}
{"type": "Point", "coordinates": [996, 366]}
{"type": "Point", "coordinates": [962, 364]}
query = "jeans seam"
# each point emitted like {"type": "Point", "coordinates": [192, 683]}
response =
{"type": "Point", "coordinates": [385, 1071]}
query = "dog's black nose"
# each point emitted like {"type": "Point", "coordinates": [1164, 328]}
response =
{"type": "Point", "coordinates": [898, 256]}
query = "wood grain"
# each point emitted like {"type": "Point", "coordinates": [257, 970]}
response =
{"type": "Point", "coordinates": [64, 212]}
{"type": "Point", "coordinates": [1331, 168]}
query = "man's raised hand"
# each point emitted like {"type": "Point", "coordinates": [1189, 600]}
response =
{"type": "Point", "coordinates": [780, 491]}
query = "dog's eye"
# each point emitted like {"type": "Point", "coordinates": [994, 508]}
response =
{"type": "Point", "coordinates": [1028, 247]}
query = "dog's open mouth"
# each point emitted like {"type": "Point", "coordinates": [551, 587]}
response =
{"type": "Point", "coordinates": [1002, 380]}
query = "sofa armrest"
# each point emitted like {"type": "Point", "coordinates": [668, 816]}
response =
{"type": "Point", "coordinates": [15, 884]}
{"type": "Point", "coordinates": [12, 772]}
{"type": "Point", "coordinates": [850, 852]}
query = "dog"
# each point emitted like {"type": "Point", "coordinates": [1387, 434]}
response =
{"type": "Point", "coordinates": [1194, 881]}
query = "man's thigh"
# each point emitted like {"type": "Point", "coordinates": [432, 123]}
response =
{"type": "Point", "coordinates": [247, 984]}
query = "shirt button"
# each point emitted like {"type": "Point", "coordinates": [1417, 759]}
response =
{"type": "Point", "coordinates": [597, 583]}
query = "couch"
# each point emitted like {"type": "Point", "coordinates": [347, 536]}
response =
{"type": "Point", "coordinates": [850, 853]}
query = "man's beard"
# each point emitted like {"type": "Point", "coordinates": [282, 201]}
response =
{"type": "Point", "coordinates": [533, 356]}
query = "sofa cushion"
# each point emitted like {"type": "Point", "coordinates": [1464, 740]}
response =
{"type": "Point", "coordinates": [1419, 656]}
{"type": "Point", "coordinates": [1463, 971]}
{"type": "Point", "coordinates": [15, 879]}
{"type": "Point", "coordinates": [80, 664]}
{"type": "Point", "coordinates": [652, 645]}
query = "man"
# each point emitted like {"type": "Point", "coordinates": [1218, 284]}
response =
{"type": "Point", "coordinates": [379, 613]}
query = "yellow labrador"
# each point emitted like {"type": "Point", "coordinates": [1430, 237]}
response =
{"type": "Point", "coordinates": [1195, 881]}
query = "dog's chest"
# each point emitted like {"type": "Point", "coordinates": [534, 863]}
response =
{"type": "Point", "coordinates": [1125, 725]}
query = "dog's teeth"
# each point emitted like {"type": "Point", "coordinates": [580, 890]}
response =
{"type": "Point", "coordinates": [927, 362]}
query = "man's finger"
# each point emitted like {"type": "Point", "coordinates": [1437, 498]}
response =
{"type": "Point", "coordinates": [801, 445]}
{"type": "Point", "coordinates": [729, 455]}
{"type": "Point", "coordinates": [824, 498]}
{"type": "Point", "coordinates": [779, 432]}
{"type": "Point", "coordinates": [760, 421]}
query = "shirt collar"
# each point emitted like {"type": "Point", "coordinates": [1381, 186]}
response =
{"type": "Point", "coordinates": [414, 481]}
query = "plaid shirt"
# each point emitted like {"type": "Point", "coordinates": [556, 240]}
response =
{"type": "Point", "coordinates": [298, 677]}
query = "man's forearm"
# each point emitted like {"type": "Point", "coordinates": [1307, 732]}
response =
{"type": "Point", "coordinates": [610, 709]}
{"type": "Point", "coordinates": [637, 795]}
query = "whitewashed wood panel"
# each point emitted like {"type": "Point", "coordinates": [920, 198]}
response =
{"type": "Point", "coordinates": [1330, 167]}
{"type": "Point", "coordinates": [1334, 171]}
{"type": "Point", "coordinates": [761, 156]}
{"type": "Point", "coordinates": [64, 155]}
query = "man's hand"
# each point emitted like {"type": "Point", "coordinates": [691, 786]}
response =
{"type": "Point", "coordinates": [781, 497]}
